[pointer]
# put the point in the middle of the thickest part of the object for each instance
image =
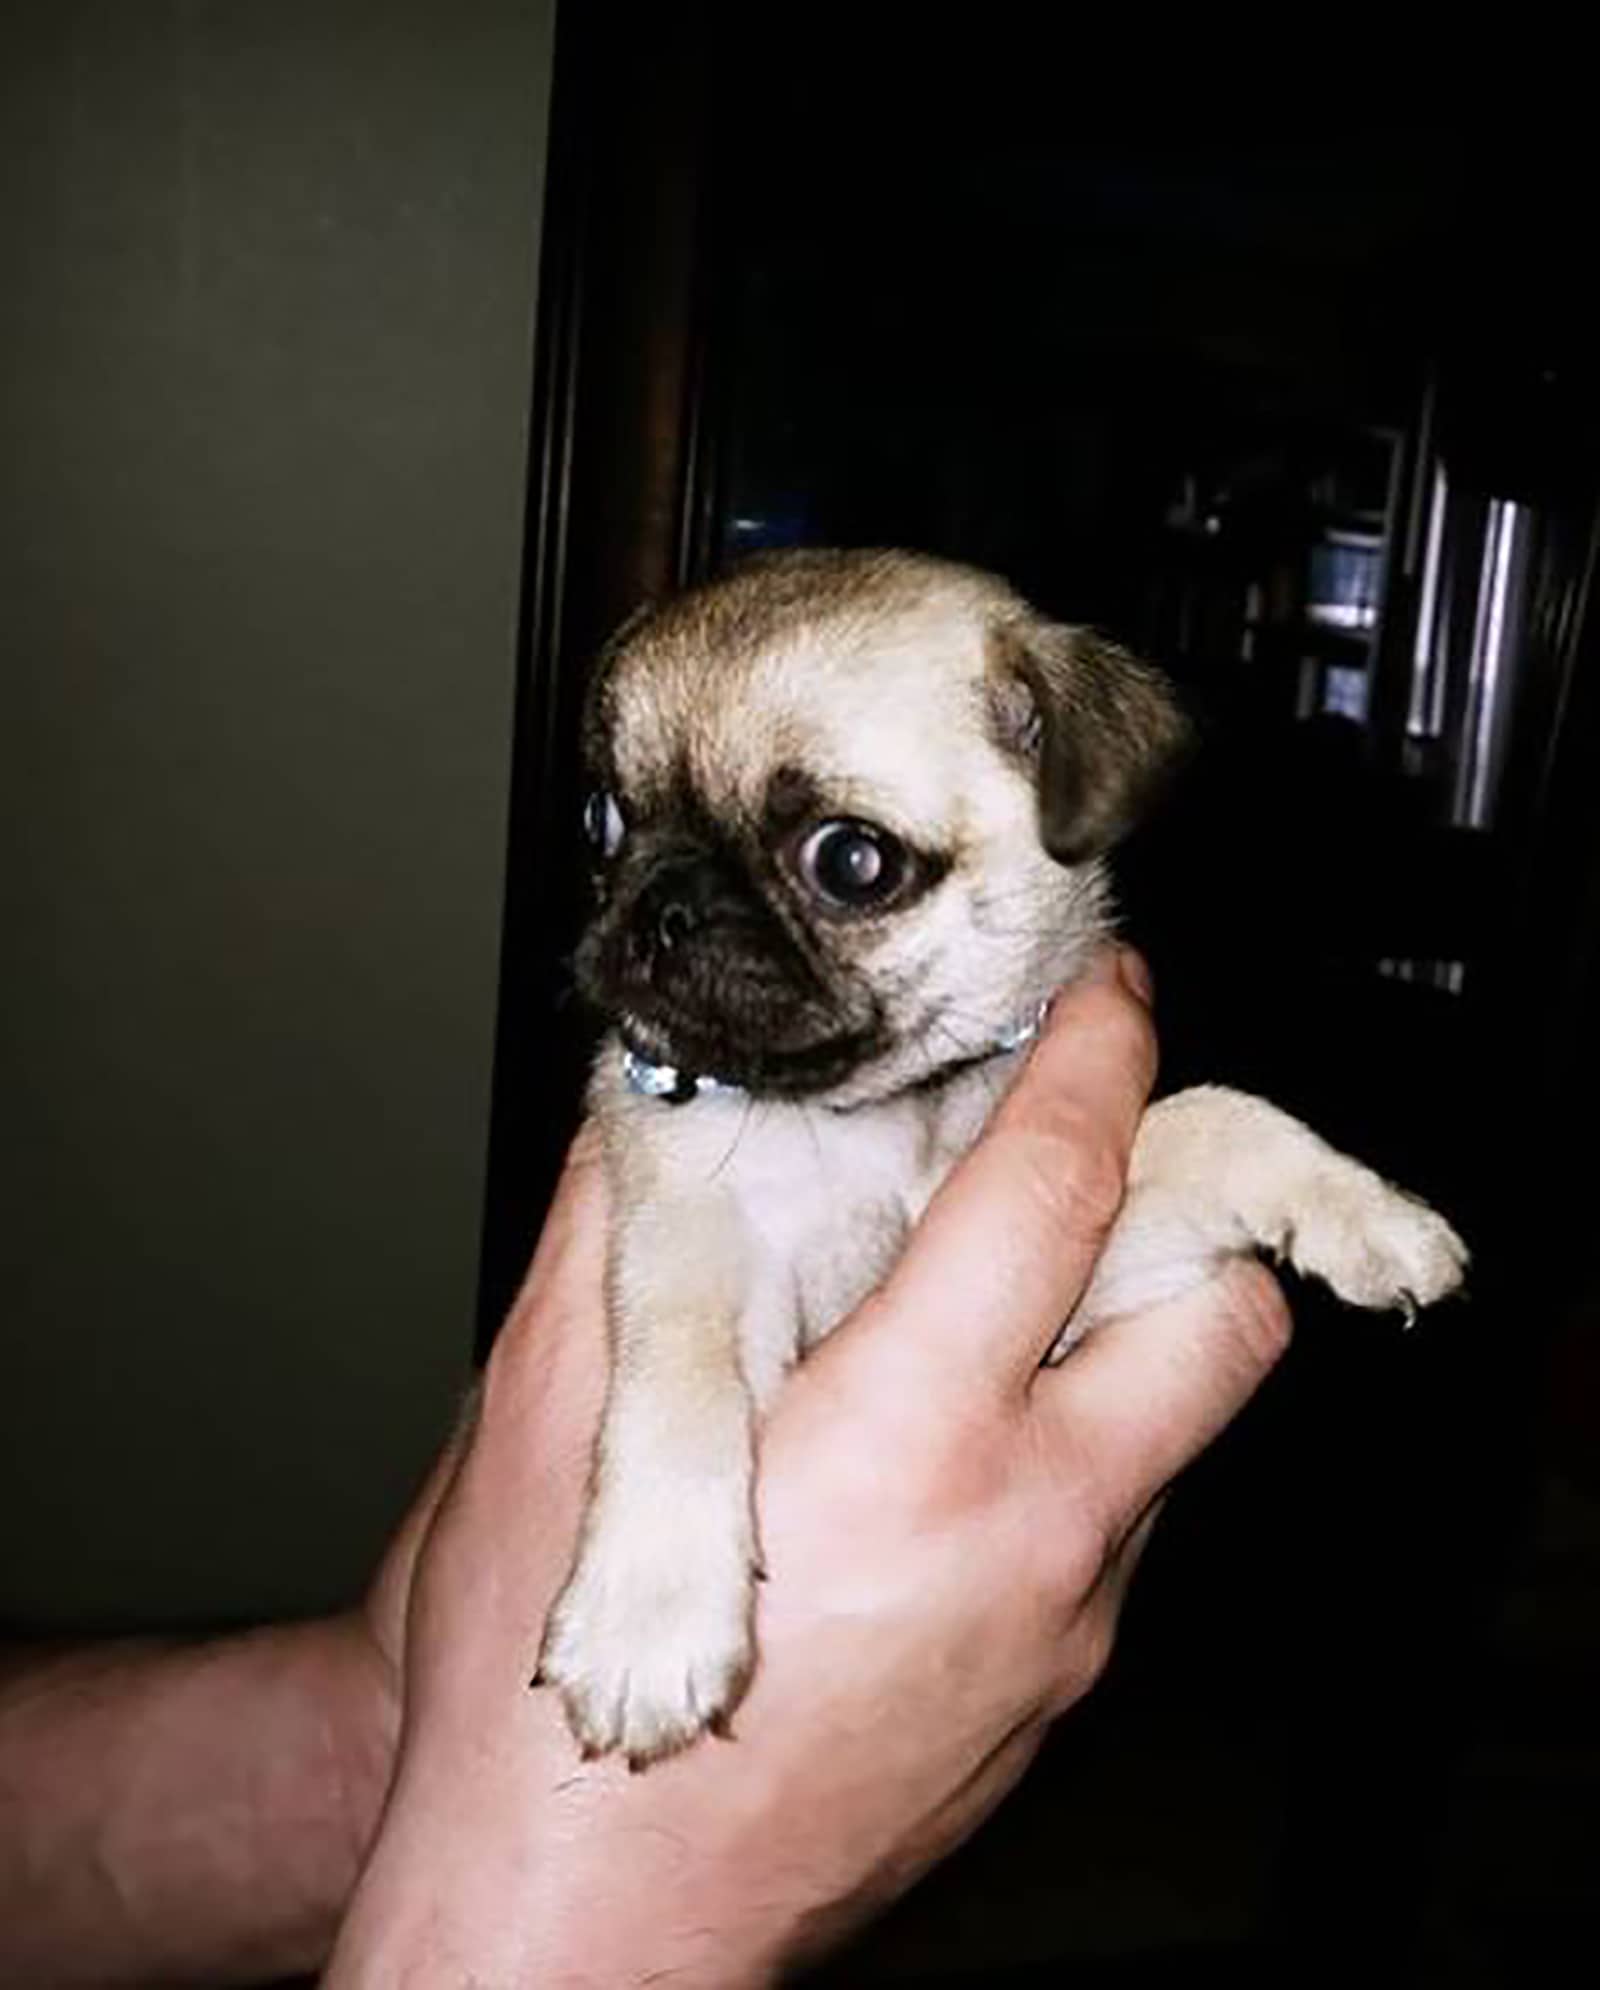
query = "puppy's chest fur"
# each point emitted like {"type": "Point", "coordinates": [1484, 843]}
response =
{"type": "Point", "coordinates": [812, 1205]}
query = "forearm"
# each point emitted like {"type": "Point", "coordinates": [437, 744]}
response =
{"type": "Point", "coordinates": [186, 1813]}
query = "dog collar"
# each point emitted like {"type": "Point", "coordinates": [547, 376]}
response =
{"type": "Point", "coordinates": [675, 1087]}
{"type": "Point", "coordinates": [667, 1082]}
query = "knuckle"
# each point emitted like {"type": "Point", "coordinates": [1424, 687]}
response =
{"type": "Point", "coordinates": [1085, 1652]}
{"type": "Point", "coordinates": [1096, 1639]}
{"type": "Point", "coordinates": [1261, 1319]}
{"type": "Point", "coordinates": [1083, 1541]}
{"type": "Point", "coordinates": [495, 1379]}
{"type": "Point", "coordinates": [1080, 1570]}
{"type": "Point", "coordinates": [1125, 1031]}
{"type": "Point", "coordinates": [1078, 1171]}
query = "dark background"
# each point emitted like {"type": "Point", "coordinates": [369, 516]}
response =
{"type": "Point", "coordinates": [1185, 360]}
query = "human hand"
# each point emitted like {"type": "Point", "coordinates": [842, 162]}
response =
{"type": "Point", "coordinates": [948, 1528]}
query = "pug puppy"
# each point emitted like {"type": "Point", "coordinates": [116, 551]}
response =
{"type": "Point", "coordinates": [849, 819]}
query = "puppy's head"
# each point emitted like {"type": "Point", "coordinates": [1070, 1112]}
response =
{"type": "Point", "coordinates": [847, 816]}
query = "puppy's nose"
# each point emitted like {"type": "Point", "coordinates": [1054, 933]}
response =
{"type": "Point", "coordinates": [676, 919]}
{"type": "Point", "coordinates": [683, 898]}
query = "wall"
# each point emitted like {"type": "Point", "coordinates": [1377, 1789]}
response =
{"type": "Point", "coordinates": [267, 337]}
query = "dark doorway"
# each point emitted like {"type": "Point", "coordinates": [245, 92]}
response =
{"type": "Point", "coordinates": [1304, 408]}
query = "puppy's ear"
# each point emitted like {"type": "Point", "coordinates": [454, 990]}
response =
{"type": "Point", "coordinates": [1100, 731]}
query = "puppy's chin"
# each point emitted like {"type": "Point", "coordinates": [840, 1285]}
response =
{"type": "Point", "coordinates": [842, 1072]}
{"type": "Point", "coordinates": [922, 1061]}
{"type": "Point", "coordinates": [702, 1047]}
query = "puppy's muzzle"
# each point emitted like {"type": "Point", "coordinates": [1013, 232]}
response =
{"type": "Point", "coordinates": [685, 899]}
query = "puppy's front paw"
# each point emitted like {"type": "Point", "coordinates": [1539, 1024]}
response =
{"type": "Point", "coordinates": [1374, 1244]}
{"type": "Point", "coordinates": [650, 1643]}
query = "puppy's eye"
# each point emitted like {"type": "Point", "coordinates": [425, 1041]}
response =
{"type": "Point", "coordinates": [602, 822]}
{"type": "Point", "coordinates": [852, 864]}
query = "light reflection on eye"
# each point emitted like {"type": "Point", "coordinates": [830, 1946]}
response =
{"type": "Point", "coordinates": [852, 864]}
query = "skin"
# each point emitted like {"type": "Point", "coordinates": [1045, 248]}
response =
{"type": "Point", "coordinates": [949, 1533]}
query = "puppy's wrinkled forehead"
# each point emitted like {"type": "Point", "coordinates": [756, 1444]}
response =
{"type": "Point", "coordinates": [865, 665]}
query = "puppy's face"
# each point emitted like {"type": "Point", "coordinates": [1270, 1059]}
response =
{"type": "Point", "coordinates": [847, 816]}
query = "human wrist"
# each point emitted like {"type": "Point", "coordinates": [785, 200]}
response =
{"type": "Point", "coordinates": [501, 1857]}
{"type": "Point", "coordinates": [686, 1917]}
{"type": "Point", "coordinates": [354, 1680]}
{"type": "Point", "coordinates": [615, 1879]}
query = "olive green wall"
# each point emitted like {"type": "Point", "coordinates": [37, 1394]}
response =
{"type": "Point", "coordinates": [266, 333]}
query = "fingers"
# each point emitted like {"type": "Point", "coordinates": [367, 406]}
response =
{"type": "Point", "coordinates": [548, 1363]}
{"type": "Point", "coordinates": [1007, 1245]}
{"type": "Point", "coordinates": [504, 1528]}
{"type": "Point", "coordinates": [570, 1254]}
{"type": "Point", "coordinates": [1142, 1397]}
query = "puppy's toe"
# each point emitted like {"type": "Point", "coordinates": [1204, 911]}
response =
{"type": "Point", "coordinates": [646, 1659]}
{"type": "Point", "coordinates": [1375, 1245]}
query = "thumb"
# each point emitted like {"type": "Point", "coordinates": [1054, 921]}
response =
{"type": "Point", "coordinates": [1008, 1244]}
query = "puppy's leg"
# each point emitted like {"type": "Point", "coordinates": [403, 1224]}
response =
{"type": "Point", "coordinates": [1217, 1173]}
{"type": "Point", "coordinates": [650, 1641]}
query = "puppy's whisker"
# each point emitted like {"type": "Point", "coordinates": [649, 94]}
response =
{"type": "Point", "coordinates": [967, 1055]}
{"type": "Point", "coordinates": [738, 1135]}
{"type": "Point", "coordinates": [809, 1116]}
{"type": "Point", "coordinates": [942, 1022]}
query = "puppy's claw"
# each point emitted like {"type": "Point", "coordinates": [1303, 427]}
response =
{"type": "Point", "coordinates": [1375, 1245]}
{"type": "Point", "coordinates": [537, 1680]}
